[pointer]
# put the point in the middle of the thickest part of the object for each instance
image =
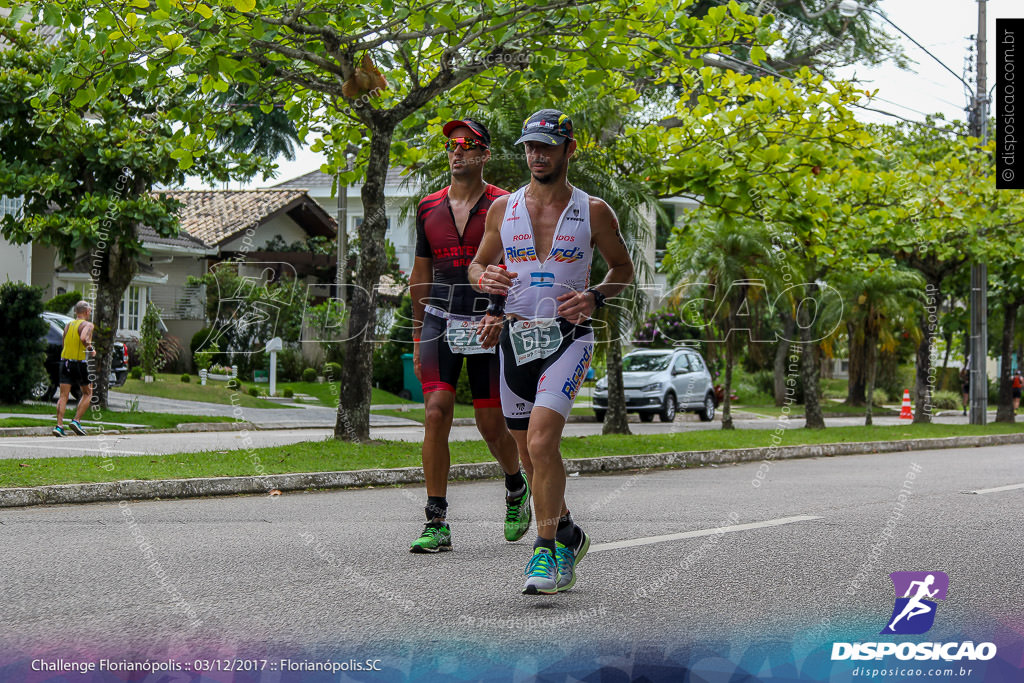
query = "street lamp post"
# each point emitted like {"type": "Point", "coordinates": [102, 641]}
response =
{"type": "Point", "coordinates": [978, 110]}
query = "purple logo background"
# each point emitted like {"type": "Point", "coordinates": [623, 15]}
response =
{"type": "Point", "coordinates": [901, 582]}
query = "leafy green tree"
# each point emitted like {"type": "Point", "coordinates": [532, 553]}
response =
{"type": "Point", "coordinates": [948, 215]}
{"type": "Point", "coordinates": [21, 345]}
{"type": "Point", "coordinates": [876, 305]}
{"type": "Point", "coordinates": [817, 36]}
{"type": "Point", "coordinates": [727, 258]}
{"type": "Point", "coordinates": [86, 161]}
{"type": "Point", "coordinates": [267, 134]}
{"type": "Point", "coordinates": [361, 74]}
{"type": "Point", "coordinates": [149, 344]}
{"type": "Point", "coordinates": [62, 303]}
{"type": "Point", "coordinates": [772, 150]}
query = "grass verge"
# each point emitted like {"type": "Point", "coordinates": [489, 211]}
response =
{"type": "Point", "coordinates": [25, 422]}
{"type": "Point", "coordinates": [171, 386]}
{"type": "Point", "coordinates": [418, 414]}
{"type": "Point", "coordinates": [827, 407]}
{"type": "Point", "coordinates": [157, 420]}
{"type": "Point", "coordinates": [329, 455]}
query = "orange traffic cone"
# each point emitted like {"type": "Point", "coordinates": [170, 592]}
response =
{"type": "Point", "coordinates": [905, 412]}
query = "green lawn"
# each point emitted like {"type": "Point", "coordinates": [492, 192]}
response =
{"type": "Point", "coordinates": [25, 422]}
{"type": "Point", "coordinates": [827, 407]}
{"type": "Point", "coordinates": [329, 455]}
{"type": "Point", "coordinates": [461, 410]}
{"type": "Point", "coordinates": [171, 386]}
{"type": "Point", "coordinates": [156, 420]}
{"type": "Point", "coordinates": [327, 393]}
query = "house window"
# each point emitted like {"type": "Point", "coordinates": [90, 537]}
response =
{"type": "Point", "coordinates": [10, 206]}
{"type": "Point", "coordinates": [133, 307]}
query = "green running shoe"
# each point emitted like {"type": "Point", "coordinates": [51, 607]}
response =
{"type": "Point", "coordinates": [434, 539]}
{"type": "Point", "coordinates": [541, 574]}
{"type": "Point", "coordinates": [59, 431]}
{"type": "Point", "coordinates": [517, 515]}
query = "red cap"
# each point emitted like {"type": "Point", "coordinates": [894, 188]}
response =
{"type": "Point", "coordinates": [479, 129]}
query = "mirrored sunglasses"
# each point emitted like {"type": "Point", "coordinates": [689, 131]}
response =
{"type": "Point", "coordinates": [464, 143]}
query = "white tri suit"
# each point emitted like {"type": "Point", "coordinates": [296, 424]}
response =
{"type": "Point", "coordinates": [544, 358]}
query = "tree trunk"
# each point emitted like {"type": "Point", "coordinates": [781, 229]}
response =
{"type": "Point", "coordinates": [923, 363]}
{"type": "Point", "coordinates": [117, 268]}
{"type": "Point", "coordinates": [948, 337]}
{"type": "Point", "coordinates": [727, 398]}
{"type": "Point", "coordinates": [781, 356]}
{"type": "Point", "coordinates": [870, 370]}
{"type": "Point", "coordinates": [616, 420]}
{"type": "Point", "coordinates": [353, 420]}
{"type": "Point", "coordinates": [809, 366]}
{"type": "Point", "coordinates": [1004, 411]}
{"type": "Point", "coordinates": [855, 395]}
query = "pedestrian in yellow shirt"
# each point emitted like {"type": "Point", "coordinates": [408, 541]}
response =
{"type": "Point", "coordinates": [74, 367]}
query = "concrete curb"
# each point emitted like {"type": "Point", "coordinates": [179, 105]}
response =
{"type": "Point", "coordinates": [220, 486]}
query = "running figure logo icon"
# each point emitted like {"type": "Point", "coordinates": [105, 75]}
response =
{"type": "Point", "coordinates": [913, 612]}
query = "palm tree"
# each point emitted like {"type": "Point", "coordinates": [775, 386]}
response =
{"type": "Point", "coordinates": [730, 258]}
{"type": "Point", "coordinates": [606, 165]}
{"type": "Point", "coordinates": [876, 306]}
{"type": "Point", "coordinates": [267, 134]}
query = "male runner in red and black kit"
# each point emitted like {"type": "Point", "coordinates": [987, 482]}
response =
{"type": "Point", "coordinates": [449, 226]}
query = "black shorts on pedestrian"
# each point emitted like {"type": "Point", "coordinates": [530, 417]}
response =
{"type": "Point", "coordinates": [74, 372]}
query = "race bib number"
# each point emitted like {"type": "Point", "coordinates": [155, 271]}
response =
{"type": "Point", "coordinates": [533, 339]}
{"type": "Point", "coordinates": [462, 338]}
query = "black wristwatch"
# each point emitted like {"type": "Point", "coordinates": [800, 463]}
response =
{"type": "Point", "coordinates": [598, 297]}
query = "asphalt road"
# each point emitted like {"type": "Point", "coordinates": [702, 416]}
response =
{"type": "Point", "coordinates": [329, 572]}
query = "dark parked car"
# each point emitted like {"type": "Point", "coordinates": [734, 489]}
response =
{"type": "Point", "coordinates": [46, 389]}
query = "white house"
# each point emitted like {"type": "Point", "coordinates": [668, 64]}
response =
{"type": "Point", "coordinates": [401, 233]}
{"type": "Point", "coordinates": [215, 226]}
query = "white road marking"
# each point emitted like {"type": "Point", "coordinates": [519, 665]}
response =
{"type": "Point", "coordinates": [998, 489]}
{"type": "Point", "coordinates": [630, 543]}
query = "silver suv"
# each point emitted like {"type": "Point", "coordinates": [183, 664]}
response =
{"type": "Point", "coordinates": [658, 382]}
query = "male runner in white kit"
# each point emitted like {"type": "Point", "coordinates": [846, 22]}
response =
{"type": "Point", "coordinates": [546, 340]}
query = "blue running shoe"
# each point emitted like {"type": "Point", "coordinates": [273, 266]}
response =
{"type": "Point", "coordinates": [568, 558]}
{"type": "Point", "coordinates": [541, 573]}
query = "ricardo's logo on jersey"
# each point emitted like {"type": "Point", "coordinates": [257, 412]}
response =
{"type": "Point", "coordinates": [520, 254]}
{"type": "Point", "coordinates": [567, 254]}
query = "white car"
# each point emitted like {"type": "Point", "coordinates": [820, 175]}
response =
{"type": "Point", "coordinates": [660, 382]}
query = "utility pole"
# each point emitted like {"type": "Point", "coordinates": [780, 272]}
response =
{"type": "Point", "coordinates": [979, 271]}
